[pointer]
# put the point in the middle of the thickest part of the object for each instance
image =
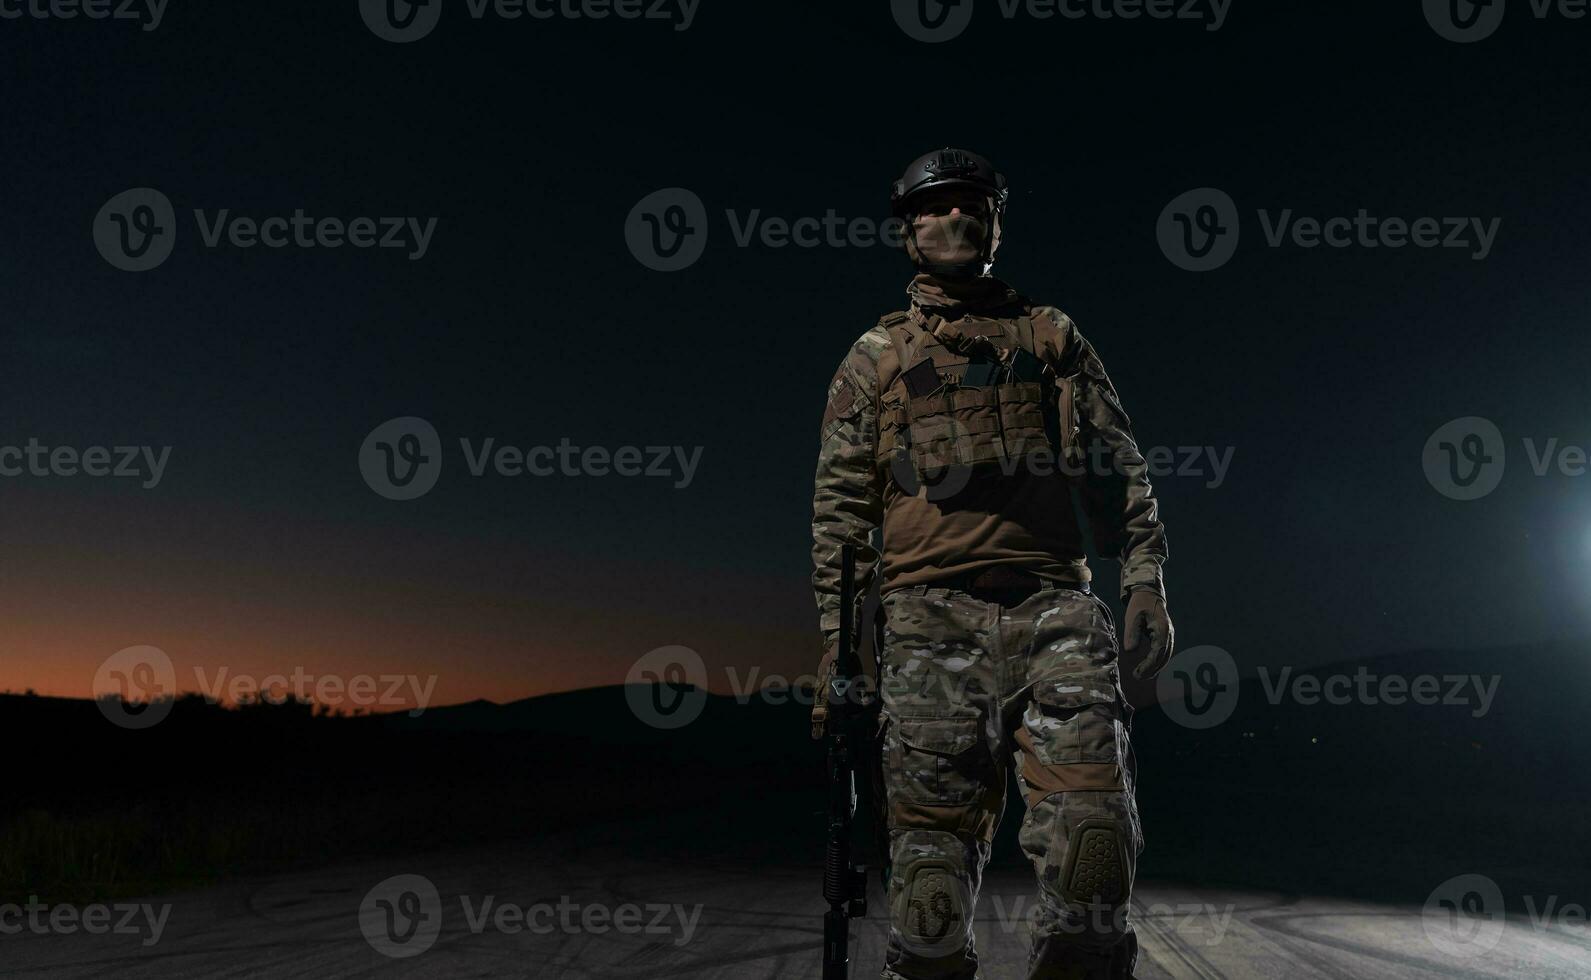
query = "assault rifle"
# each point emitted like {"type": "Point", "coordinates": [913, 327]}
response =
{"type": "Point", "coordinates": [847, 719]}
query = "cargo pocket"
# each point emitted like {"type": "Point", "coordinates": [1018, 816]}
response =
{"type": "Point", "coordinates": [937, 760]}
{"type": "Point", "coordinates": [1072, 738]}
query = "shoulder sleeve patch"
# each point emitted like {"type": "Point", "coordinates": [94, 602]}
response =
{"type": "Point", "coordinates": [842, 397]}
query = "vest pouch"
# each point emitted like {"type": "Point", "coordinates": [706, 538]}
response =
{"type": "Point", "coordinates": [1022, 418]}
{"type": "Point", "coordinates": [1071, 448]}
{"type": "Point", "coordinates": [955, 427]}
{"type": "Point", "coordinates": [891, 428]}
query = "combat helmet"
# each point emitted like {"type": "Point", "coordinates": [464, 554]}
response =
{"type": "Point", "coordinates": [951, 167]}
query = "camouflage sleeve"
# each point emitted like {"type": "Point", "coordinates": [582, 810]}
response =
{"type": "Point", "coordinates": [1123, 514]}
{"type": "Point", "coordinates": [848, 499]}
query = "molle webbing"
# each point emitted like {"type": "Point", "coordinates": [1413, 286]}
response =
{"type": "Point", "coordinates": [926, 408]}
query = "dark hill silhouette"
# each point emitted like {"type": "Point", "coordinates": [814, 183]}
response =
{"type": "Point", "coordinates": [1365, 800]}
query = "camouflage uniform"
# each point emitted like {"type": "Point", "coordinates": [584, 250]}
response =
{"type": "Point", "coordinates": [972, 686]}
{"type": "Point", "coordinates": [967, 685]}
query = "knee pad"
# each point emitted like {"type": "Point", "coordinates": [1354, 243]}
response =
{"type": "Point", "coordinates": [1096, 864]}
{"type": "Point", "coordinates": [933, 912]}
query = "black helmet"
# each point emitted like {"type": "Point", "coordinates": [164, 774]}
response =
{"type": "Point", "coordinates": [951, 167]}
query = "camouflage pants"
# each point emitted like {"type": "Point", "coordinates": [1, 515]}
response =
{"type": "Point", "coordinates": [968, 685]}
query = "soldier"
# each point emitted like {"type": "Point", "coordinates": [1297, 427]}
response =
{"type": "Point", "coordinates": [961, 427]}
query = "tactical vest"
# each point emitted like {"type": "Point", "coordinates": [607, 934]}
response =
{"type": "Point", "coordinates": [976, 392]}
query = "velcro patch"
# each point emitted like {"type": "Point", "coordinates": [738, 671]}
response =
{"type": "Point", "coordinates": [922, 379]}
{"type": "Point", "coordinates": [1026, 367]}
{"type": "Point", "coordinates": [979, 374]}
{"type": "Point", "coordinates": [841, 398]}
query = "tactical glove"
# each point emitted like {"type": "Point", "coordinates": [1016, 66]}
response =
{"type": "Point", "coordinates": [820, 693]}
{"type": "Point", "coordinates": [1146, 613]}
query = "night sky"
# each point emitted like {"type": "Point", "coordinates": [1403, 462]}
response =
{"type": "Point", "coordinates": [528, 320]}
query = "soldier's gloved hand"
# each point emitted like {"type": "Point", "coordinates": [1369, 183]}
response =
{"type": "Point", "coordinates": [820, 693]}
{"type": "Point", "coordinates": [1146, 613]}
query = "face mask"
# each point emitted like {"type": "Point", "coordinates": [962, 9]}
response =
{"type": "Point", "coordinates": [950, 243]}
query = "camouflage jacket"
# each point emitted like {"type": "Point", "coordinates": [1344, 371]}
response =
{"type": "Point", "coordinates": [856, 494]}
